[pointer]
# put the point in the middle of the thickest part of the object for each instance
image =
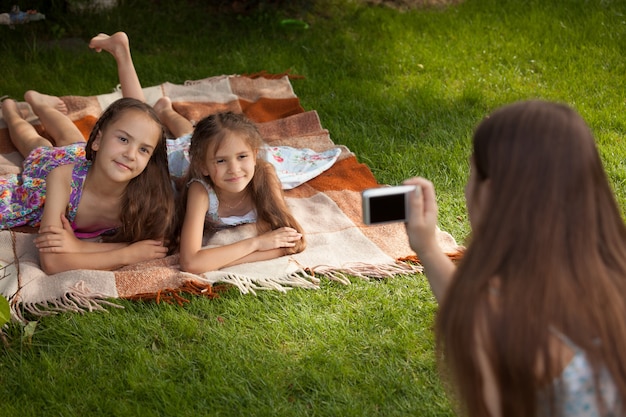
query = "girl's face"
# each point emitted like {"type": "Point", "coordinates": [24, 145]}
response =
{"type": "Point", "coordinates": [126, 145]}
{"type": "Point", "coordinates": [231, 166]}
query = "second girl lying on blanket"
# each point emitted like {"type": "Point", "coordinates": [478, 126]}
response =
{"type": "Point", "coordinates": [229, 184]}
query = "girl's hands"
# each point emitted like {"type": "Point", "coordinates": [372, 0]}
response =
{"type": "Point", "coordinates": [422, 225]}
{"type": "Point", "coordinates": [56, 239]}
{"type": "Point", "coordinates": [145, 250]}
{"type": "Point", "coordinates": [285, 237]}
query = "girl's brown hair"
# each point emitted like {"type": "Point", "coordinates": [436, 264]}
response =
{"type": "Point", "coordinates": [552, 236]}
{"type": "Point", "coordinates": [148, 203]}
{"type": "Point", "coordinates": [265, 187]}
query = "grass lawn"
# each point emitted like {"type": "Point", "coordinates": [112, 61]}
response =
{"type": "Point", "coordinates": [403, 90]}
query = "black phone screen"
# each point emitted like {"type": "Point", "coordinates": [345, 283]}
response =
{"type": "Point", "coordinates": [388, 208]}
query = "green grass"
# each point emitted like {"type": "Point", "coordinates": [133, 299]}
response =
{"type": "Point", "coordinates": [401, 90]}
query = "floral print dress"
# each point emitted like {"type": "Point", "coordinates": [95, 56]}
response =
{"type": "Point", "coordinates": [22, 196]}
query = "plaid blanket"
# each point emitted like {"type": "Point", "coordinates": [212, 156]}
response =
{"type": "Point", "coordinates": [339, 247]}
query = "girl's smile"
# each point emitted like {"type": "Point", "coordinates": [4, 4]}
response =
{"type": "Point", "coordinates": [232, 166]}
{"type": "Point", "coordinates": [127, 144]}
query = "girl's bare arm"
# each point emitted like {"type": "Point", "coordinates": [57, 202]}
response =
{"type": "Point", "coordinates": [422, 231]}
{"type": "Point", "coordinates": [195, 259]}
{"type": "Point", "coordinates": [85, 255]}
{"type": "Point", "coordinates": [63, 240]}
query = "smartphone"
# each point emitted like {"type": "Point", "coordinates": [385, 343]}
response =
{"type": "Point", "coordinates": [386, 204]}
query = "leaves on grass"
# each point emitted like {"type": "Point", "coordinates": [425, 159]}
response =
{"type": "Point", "coordinates": [29, 331]}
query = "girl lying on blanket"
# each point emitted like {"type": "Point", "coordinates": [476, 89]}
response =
{"type": "Point", "coordinates": [229, 184]}
{"type": "Point", "coordinates": [123, 195]}
{"type": "Point", "coordinates": [116, 185]}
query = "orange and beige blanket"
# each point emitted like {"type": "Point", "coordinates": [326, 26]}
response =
{"type": "Point", "coordinates": [340, 247]}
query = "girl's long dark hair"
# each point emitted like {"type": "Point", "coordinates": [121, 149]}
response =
{"type": "Point", "coordinates": [552, 236]}
{"type": "Point", "coordinates": [265, 188]}
{"type": "Point", "coordinates": [148, 203]}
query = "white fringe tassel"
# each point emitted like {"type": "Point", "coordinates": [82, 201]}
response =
{"type": "Point", "coordinates": [308, 280]}
{"type": "Point", "coordinates": [365, 271]}
{"type": "Point", "coordinates": [248, 285]}
{"type": "Point", "coordinates": [79, 299]}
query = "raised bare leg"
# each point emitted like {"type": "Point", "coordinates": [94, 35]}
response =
{"type": "Point", "coordinates": [118, 45]}
{"type": "Point", "coordinates": [23, 134]}
{"type": "Point", "coordinates": [57, 124]}
{"type": "Point", "coordinates": [174, 121]}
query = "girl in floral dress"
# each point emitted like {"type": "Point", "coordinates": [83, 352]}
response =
{"type": "Point", "coordinates": [114, 189]}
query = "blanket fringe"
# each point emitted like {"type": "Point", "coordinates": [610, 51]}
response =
{"type": "Point", "coordinates": [79, 299]}
{"type": "Point", "coordinates": [174, 295]}
{"type": "Point", "coordinates": [454, 256]}
{"type": "Point", "coordinates": [270, 76]}
{"type": "Point", "coordinates": [365, 271]}
{"type": "Point", "coordinates": [297, 279]}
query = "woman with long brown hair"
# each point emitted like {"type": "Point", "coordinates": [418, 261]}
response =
{"type": "Point", "coordinates": [532, 322]}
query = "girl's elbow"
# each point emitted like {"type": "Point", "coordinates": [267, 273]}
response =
{"type": "Point", "coordinates": [185, 264]}
{"type": "Point", "coordinates": [191, 265]}
{"type": "Point", "coordinates": [50, 266]}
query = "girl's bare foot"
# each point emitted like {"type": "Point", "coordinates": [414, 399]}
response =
{"type": "Point", "coordinates": [176, 123]}
{"type": "Point", "coordinates": [163, 104]}
{"type": "Point", "coordinates": [10, 108]}
{"type": "Point", "coordinates": [115, 44]}
{"type": "Point", "coordinates": [37, 99]}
